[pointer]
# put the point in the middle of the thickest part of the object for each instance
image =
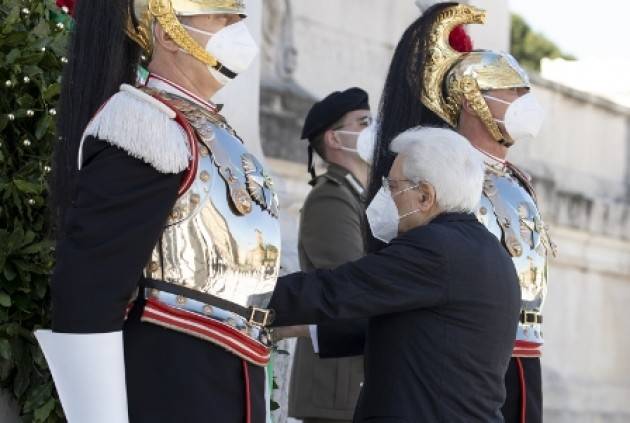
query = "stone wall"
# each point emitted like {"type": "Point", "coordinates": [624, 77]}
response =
{"type": "Point", "coordinates": [580, 166]}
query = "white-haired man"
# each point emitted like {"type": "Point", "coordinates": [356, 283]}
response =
{"type": "Point", "coordinates": [442, 298]}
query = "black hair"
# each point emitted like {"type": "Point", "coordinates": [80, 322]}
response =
{"type": "Point", "coordinates": [101, 57]}
{"type": "Point", "coordinates": [400, 107]}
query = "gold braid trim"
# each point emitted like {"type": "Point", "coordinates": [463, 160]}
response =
{"type": "Point", "coordinates": [471, 92]}
{"type": "Point", "coordinates": [163, 11]}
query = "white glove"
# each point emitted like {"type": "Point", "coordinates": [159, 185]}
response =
{"type": "Point", "coordinates": [89, 373]}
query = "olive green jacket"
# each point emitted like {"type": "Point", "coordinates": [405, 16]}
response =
{"type": "Point", "coordinates": [330, 234]}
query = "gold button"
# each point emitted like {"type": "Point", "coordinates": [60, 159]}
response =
{"type": "Point", "coordinates": [203, 151]}
{"type": "Point", "coordinates": [176, 213]}
{"type": "Point", "coordinates": [483, 210]}
{"type": "Point", "coordinates": [518, 250]}
{"type": "Point", "coordinates": [194, 198]}
{"type": "Point", "coordinates": [204, 176]}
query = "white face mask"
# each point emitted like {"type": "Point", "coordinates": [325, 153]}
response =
{"type": "Point", "coordinates": [233, 46]}
{"type": "Point", "coordinates": [365, 143]}
{"type": "Point", "coordinates": [382, 214]}
{"type": "Point", "coordinates": [523, 118]}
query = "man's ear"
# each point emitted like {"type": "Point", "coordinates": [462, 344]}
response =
{"type": "Point", "coordinates": [330, 139]}
{"type": "Point", "coordinates": [467, 107]}
{"type": "Point", "coordinates": [164, 40]}
{"type": "Point", "coordinates": [427, 197]}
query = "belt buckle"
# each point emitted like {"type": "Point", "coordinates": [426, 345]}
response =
{"type": "Point", "coordinates": [528, 317]}
{"type": "Point", "coordinates": [255, 313]}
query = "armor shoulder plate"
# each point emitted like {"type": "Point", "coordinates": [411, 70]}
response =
{"type": "Point", "coordinates": [142, 126]}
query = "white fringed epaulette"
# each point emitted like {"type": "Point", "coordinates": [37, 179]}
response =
{"type": "Point", "coordinates": [142, 126]}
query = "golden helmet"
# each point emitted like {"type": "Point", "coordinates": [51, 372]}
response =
{"type": "Point", "coordinates": [450, 77]}
{"type": "Point", "coordinates": [145, 13]}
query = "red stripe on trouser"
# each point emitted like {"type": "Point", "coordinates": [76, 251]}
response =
{"type": "Point", "coordinates": [521, 376]}
{"type": "Point", "coordinates": [248, 401]}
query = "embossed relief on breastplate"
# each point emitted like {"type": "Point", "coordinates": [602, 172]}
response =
{"type": "Point", "coordinates": [511, 214]}
{"type": "Point", "coordinates": [259, 184]}
{"type": "Point", "coordinates": [242, 172]}
{"type": "Point", "coordinates": [223, 237]}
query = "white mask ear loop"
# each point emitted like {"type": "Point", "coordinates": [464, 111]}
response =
{"type": "Point", "coordinates": [343, 147]}
{"type": "Point", "coordinates": [199, 31]}
{"type": "Point", "coordinates": [409, 213]}
{"type": "Point", "coordinates": [489, 97]}
{"type": "Point", "coordinates": [193, 29]}
{"type": "Point", "coordinates": [497, 99]}
{"type": "Point", "coordinates": [405, 190]}
{"type": "Point", "coordinates": [343, 131]}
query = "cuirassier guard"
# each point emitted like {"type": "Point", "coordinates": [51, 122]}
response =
{"type": "Point", "coordinates": [485, 96]}
{"type": "Point", "coordinates": [168, 236]}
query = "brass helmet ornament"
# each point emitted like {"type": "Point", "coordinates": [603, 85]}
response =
{"type": "Point", "coordinates": [144, 13]}
{"type": "Point", "coordinates": [452, 76]}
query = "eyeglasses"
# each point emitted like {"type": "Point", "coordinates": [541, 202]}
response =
{"type": "Point", "coordinates": [387, 185]}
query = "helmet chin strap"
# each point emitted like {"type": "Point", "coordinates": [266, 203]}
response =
{"type": "Point", "coordinates": [505, 141]}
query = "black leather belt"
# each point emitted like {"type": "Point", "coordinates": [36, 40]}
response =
{"type": "Point", "coordinates": [531, 317]}
{"type": "Point", "coordinates": [254, 315]}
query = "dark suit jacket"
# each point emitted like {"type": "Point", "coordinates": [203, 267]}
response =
{"type": "Point", "coordinates": [443, 301]}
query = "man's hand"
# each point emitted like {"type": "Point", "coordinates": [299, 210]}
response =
{"type": "Point", "coordinates": [284, 332]}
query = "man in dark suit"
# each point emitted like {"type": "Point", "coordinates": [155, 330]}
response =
{"type": "Point", "coordinates": [442, 297]}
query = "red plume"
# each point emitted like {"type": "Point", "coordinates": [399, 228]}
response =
{"type": "Point", "coordinates": [66, 5]}
{"type": "Point", "coordinates": [460, 40]}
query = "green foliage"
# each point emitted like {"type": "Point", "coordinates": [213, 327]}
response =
{"type": "Point", "coordinates": [529, 47]}
{"type": "Point", "coordinates": [33, 40]}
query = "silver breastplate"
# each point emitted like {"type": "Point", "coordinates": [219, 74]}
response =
{"type": "Point", "coordinates": [508, 211]}
{"type": "Point", "coordinates": [222, 237]}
